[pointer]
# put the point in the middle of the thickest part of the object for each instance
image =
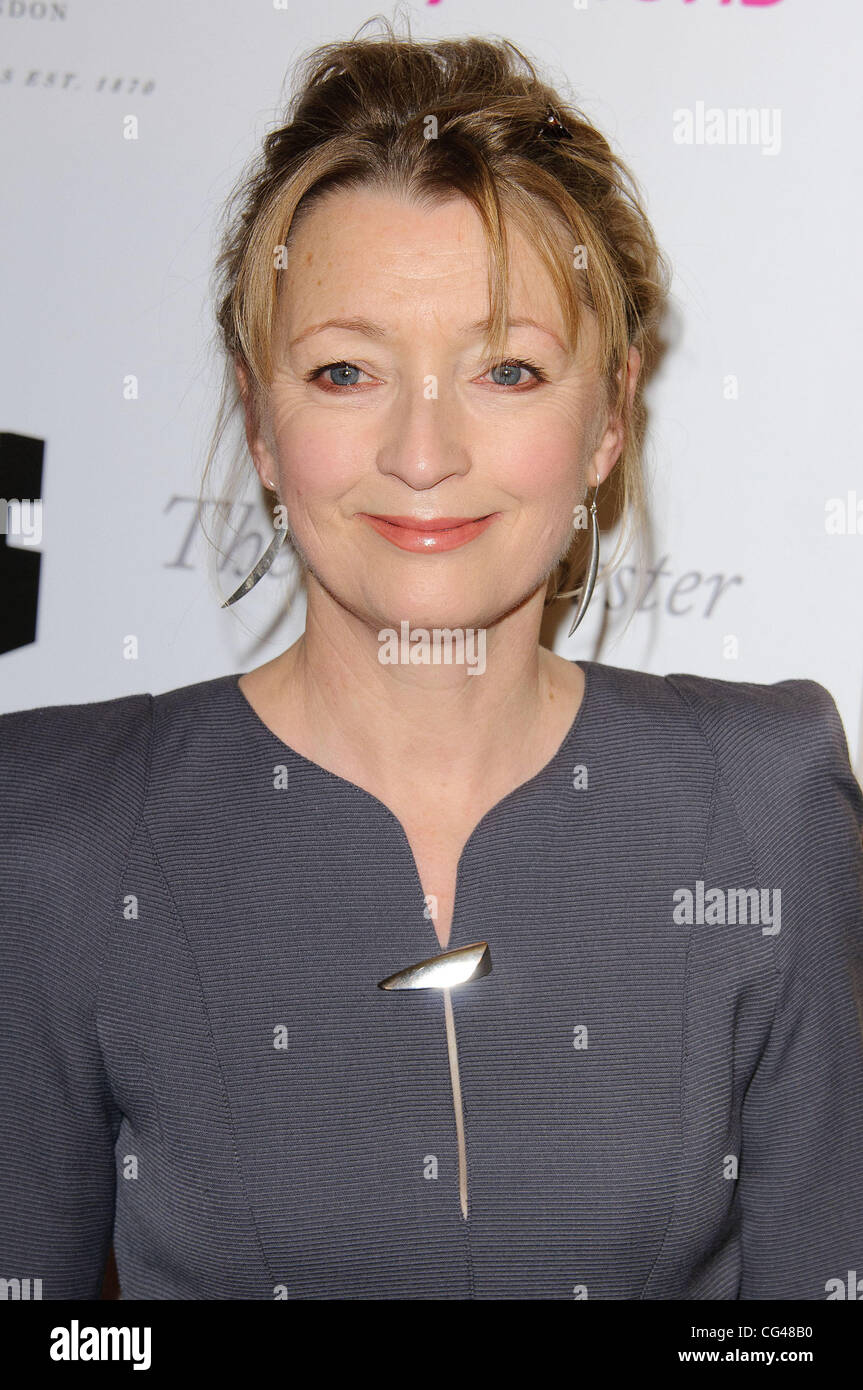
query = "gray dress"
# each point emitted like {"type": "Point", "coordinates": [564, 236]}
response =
{"type": "Point", "coordinates": [197, 1063]}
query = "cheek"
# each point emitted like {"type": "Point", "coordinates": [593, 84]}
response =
{"type": "Point", "coordinates": [542, 470]}
{"type": "Point", "coordinates": [538, 457]}
{"type": "Point", "coordinates": [314, 461]}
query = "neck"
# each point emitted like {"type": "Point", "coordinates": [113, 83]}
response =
{"type": "Point", "coordinates": [455, 730]}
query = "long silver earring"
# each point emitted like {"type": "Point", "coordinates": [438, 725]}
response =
{"type": "Point", "coordinates": [586, 589]}
{"type": "Point", "coordinates": [265, 561]}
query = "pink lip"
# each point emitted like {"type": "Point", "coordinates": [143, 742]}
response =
{"type": "Point", "coordinates": [443, 533]}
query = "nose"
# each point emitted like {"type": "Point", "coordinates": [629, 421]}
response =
{"type": "Point", "coordinates": [423, 445]}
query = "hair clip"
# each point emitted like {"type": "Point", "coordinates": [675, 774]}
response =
{"type": "Point", "coordinates": [552, 127]}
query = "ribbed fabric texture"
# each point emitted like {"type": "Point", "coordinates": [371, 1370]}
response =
{"type": "Point", "coordinates": [196, 1061]}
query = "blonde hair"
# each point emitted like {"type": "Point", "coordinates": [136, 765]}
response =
{"type": "Point", "coordinates": [359, 118]}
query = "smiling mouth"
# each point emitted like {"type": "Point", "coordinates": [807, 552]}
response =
{"type": "Point", "coordinates": [428, 536]}
{"type": "Point", "coordinates": [439, 523]}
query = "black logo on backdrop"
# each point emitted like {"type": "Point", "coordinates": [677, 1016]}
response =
{"type": "Point", "coordinates": [20, 478]}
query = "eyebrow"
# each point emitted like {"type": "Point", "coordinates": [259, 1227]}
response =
{"type": "Point", "coordinates": [378, 331]}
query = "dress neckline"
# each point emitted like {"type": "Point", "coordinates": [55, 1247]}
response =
{"type": "Point", "coordinates": [343, 785]}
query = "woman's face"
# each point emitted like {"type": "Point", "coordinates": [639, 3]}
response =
{"type": "Point", "coordinates": [421, 424]}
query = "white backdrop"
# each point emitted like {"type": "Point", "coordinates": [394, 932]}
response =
{"type": "Point", "coordinates": [108, 245]}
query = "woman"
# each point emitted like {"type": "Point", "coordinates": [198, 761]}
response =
{"type": "Point", "coordinates": [440, 295]}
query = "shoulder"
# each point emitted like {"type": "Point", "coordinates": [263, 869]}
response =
{"type": "Point", "coordinates": [91, 744]}
{"type": "Point", "coordinates": [77, 749]}
{"type": "Point", "coordinates": [76, 779]}
{"type": "Point", "coordinates": [723, 707]}
{"type": "Point", "coordinates": [741, 721]}
{"type": "Point", "coordinates": [780, 748]}
{"type": "Point", "coordinates": [75, 785]}
{"type": "Point", "coordinates": [73, 782]}
{"type": "Point", "coordinates": [72, 786]}
{"type": "Point", "coordinates": [783, 740]}
{"type": "Point", "coordinates": [782, 756]}
{"type": "Point", "coordinates": [776, 755]}
{"type": "Point", "coordinates": [743, 716]}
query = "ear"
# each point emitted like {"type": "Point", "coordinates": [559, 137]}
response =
{"type": "Point", "coordinates": [242, 378]}
{"type": "Point", "coordinates": [260, 451]}
{"type": "Point", "coordinates": [611, 443]}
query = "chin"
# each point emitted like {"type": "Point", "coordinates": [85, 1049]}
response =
{"type": "Point", "coordinates": [386, 601]}
{"type": "Point", "coordinates": [428, 612]}
{"type": "Point", "coordinates": [478, 611]}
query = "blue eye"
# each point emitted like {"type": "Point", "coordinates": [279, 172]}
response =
{"type": "Point", "coordinates": [343, 368]}
{"type": "Point", "coordinates": [516, 366]}
{"type": "Point", "coordinates": [344, 375]}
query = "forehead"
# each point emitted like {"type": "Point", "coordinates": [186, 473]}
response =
{"type": "Point", "coordinates": [368, 251]}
